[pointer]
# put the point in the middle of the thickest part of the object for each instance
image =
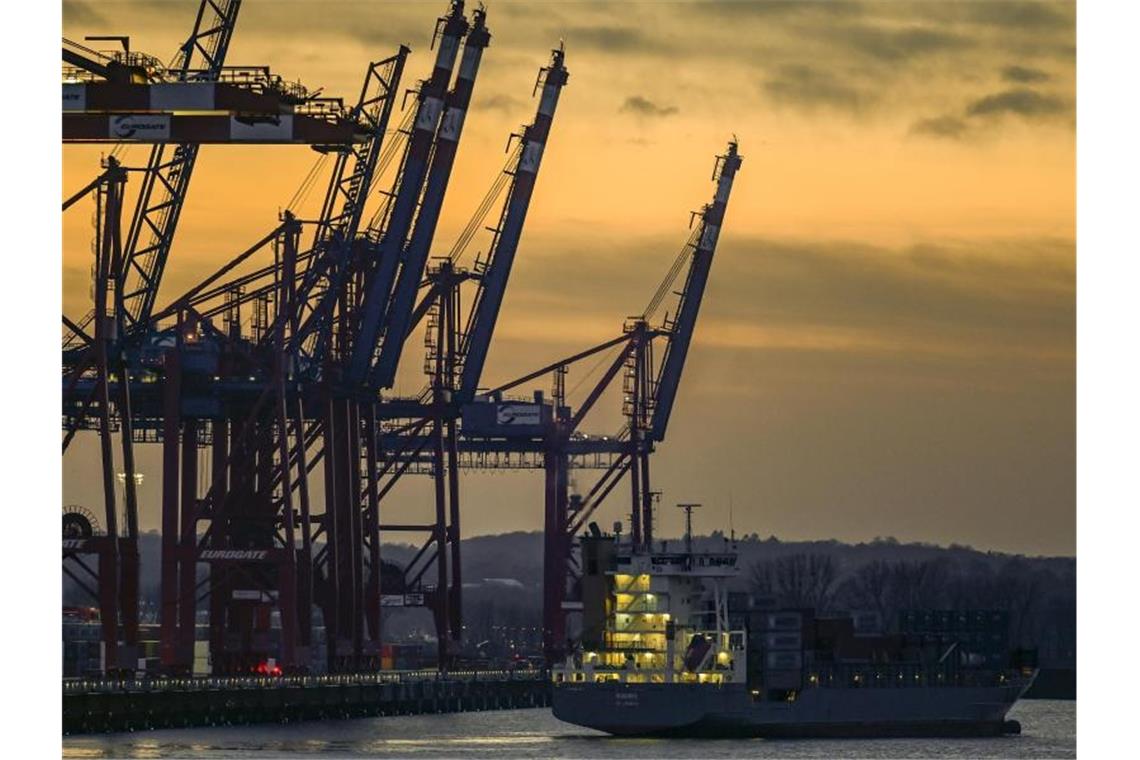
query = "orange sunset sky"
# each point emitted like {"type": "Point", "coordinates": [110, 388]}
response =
{"type": "Point", "coordinates": [887, 343]}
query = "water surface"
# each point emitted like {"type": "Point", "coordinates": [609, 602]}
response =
{"type": "Point", "coordinates": [1048, 730]}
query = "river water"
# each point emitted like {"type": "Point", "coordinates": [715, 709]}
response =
{"type": "Point", "coordinates": [1048, 730]}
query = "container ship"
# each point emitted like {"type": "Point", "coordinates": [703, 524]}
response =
{"type": "Point", "coordinates": [667, 649]}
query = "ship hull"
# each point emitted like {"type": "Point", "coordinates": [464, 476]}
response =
{"type": "Point", "coordinates": [725, 711]}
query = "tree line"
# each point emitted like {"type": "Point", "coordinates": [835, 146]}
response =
{"type": "Point", "coordinates": [1041, 601]}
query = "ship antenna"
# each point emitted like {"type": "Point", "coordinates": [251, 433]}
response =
{"type": "Point", "coordinates": [688, 525]}
{"type": "Point", "coordinates": [731, 526]}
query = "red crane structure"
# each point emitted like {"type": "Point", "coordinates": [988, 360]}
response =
{"type": "Point", "coordinates": [126, 280]}
{"type": "Point", "coordinates": [268, 383]}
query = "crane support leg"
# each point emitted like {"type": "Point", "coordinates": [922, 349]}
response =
{"type": "Point", "coordinates": [187, 571]}
{"type": "Point", "coordinates": [555, 553]}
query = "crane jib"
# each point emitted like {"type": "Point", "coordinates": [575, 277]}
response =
{"type": "Point", "coordinates": [414, 260]}
{"type": "Point", "coordinates": [679, 338]}
{"type": "Point", "coordinates": [410, 188]}
{"type": "Point", "coordinates": [493, 283]}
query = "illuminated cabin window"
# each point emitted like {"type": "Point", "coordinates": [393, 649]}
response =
{"type": "Point", "coordinates": [633, 603]}
{"type": "Point", "coordinates": [631, 584]}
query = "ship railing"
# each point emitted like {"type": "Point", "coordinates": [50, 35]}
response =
{"type": "Point", "coordinates": [901, 676]}
{"type": "Point", "coordinates": [632, 648]}
{"type": "Point", "coordinates": [640, 604]}
{"type": "Point", "coordinates": [633, 628]}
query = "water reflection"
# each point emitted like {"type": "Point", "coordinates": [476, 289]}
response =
{"type": "Point", "coordinates": [1049, 730]}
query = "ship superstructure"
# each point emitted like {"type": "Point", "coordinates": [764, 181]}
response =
{"type": "Point", "coordinates": [667, 648]}
{"type": "Point", "coordinates": [657, 617]}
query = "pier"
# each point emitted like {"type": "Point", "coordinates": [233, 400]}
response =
{"type": "Point", "coordinates": [97, 706]}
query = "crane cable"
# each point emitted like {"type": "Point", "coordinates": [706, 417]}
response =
{"type": "Point", "coordinates": [390, 149]}
{"type": "Point", "coordinates": [671, 277]}
{"type": "Point", "coordinates": [484, 207]}
{"type": "Point", "coordinates": [606, 357]}
{"type": "Point", "coordinates": [386, 157]}
{"type": "Point", "coordinates": [307, 183]}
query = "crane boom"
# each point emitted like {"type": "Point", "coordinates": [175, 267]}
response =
{"type": "Point", "coordinates": [347, 192]}
{"type": "Point", "coordinates": [497, 269]}
{"type": "Point", "coordinates": [680, 333]}
{"type": "Point", "coordinates": [167, 177]}
{"type": "Point", "coordinates": [443, 159]}
{"type": "Point", "coordinates": [429, 107]}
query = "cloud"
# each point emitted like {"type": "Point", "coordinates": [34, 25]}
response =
{"type": "Point", "coordinates": [1026, 103]}
{"type": "Point", "coordinates": [779, 8]}
{"type": "Point", "coordinates": [958, 299]}
{"type": "Point", "coordinates": [76, 12]}
{"type": "Point", "coordinates": [639, 106]}
{"type": "Point", "coordinates": [1033, 15]}
{"type": "Point", "coordinates": [949, 127]}
{"type": "Point", "coordinates": [810, 88]}
{"type": "Point", "coordinates": [896, 44]}
{"type": "Point", "coordinates": [608, 39]}
{"type": "Point", "coordinates": [1023, 74]}
{"type": "Point", "coordinates": [379, 37]}
{"type": "Point", "coordinates": [500, 102]}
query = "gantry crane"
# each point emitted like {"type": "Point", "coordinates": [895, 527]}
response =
{"type": "Point", "coordinates": [648, 392]}
{"type": "Point", "coordinates": [262, 436]}
{"type": "Point", "coordinates": [314, 331]}
{"type": "Point", "coordinates": [127, 277]}
{"type": "Point", "coordinates": [434, 417]}
{"type": "Point", "coordinates": [102, 374]}
{"type": "Point", "coordinates": [305, 386]}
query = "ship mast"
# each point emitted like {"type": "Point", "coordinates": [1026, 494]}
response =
{"type": "Point", "coordinates": [688, 525]}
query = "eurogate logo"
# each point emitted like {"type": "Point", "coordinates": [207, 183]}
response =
{"type": "Point", "coordinates": [238, 554]}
